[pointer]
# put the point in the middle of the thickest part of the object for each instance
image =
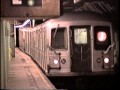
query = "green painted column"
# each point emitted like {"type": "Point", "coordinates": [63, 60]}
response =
{"type": "Point", "coordinates": [4, 55]}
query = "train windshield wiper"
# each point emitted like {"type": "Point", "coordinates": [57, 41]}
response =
{"type": "Point", "coordinates": [55, 31]}
{"type": "Point", "coordinates": [54, 50]}
{"type": "Point", "coordinates": [110, 46]}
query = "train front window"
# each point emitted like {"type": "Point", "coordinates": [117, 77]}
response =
{"type": "Point", "coordinates": [59, 38]}
{"type": "Point", "coordinates": [102, 37]}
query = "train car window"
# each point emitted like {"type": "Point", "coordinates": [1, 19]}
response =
{"type": "Point", "coordinates": [58, 38]}
{"type": "Point", "coordinates": [80, 34]}
{"type": "Point", "coordinates": [102, 37]}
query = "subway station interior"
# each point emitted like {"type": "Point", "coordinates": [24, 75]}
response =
{"type": "Point", "coordinates": [59, 44]}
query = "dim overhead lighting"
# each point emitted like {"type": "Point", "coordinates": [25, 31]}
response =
{"type": "Point", "coordinates": [24, 24]}
{"type": "Point", "coordinates": [31, 2]}
{"type": "Point", "coordinates": [76, 1]}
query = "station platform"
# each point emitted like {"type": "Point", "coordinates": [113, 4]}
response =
{"type": "Point", "coordinates": [24, 74]}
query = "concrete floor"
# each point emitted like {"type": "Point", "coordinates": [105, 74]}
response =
{"type": "Point", "coordinates": [24, 74]}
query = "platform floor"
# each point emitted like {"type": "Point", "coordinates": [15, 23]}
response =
{"type": "Point", "coordinates": [25, 75]}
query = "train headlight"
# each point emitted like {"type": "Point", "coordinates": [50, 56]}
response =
{"type": "Point", "coordinates": [55, 61]}
{"type": "Point", "coordinates": [106, 60]}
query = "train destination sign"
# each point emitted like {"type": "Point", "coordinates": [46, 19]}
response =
{"type": "Point", "coordinates": [30, 8]}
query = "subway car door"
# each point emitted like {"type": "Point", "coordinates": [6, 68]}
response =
{"type": "Point", "coordinates": [80, 49]}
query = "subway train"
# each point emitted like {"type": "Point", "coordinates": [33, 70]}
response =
{"type": "Point", "coordinates": [71, 45]}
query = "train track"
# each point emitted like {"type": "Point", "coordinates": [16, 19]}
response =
{"type": "Point", "coordinates": [108, 82]}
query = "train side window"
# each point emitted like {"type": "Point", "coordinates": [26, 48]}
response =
{"type": "Point", "coordinates": [102, 37]}
{"type": "Point", "coordinates": [58, 38]}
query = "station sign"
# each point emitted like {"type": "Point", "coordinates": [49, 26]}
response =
{"type": "Point", "coordinates": [30, 8]}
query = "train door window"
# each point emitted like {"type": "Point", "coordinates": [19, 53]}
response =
{"type": "Point", "coordinates": [80, 34]}
{"type": "Point", "coordinates": [102, 37]}
{"type": "Point", "coordinates": [59, 38]}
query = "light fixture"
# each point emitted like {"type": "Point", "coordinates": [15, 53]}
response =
{"type": "Point", "coordinates": [24, 24]}
{"type": "Point", "coordinates": [31, 2]}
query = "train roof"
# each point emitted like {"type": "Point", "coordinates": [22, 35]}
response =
{"type": "Point", "coordinates": [80, 16]}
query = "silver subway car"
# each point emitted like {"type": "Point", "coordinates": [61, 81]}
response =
{"type": "Point", "coordinates": [72, 44]}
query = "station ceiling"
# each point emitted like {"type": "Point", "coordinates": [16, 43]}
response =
{"type": "Point", "coordinates": [108, 8]}
{"type": "Point", "coordinates": [99, 6]}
